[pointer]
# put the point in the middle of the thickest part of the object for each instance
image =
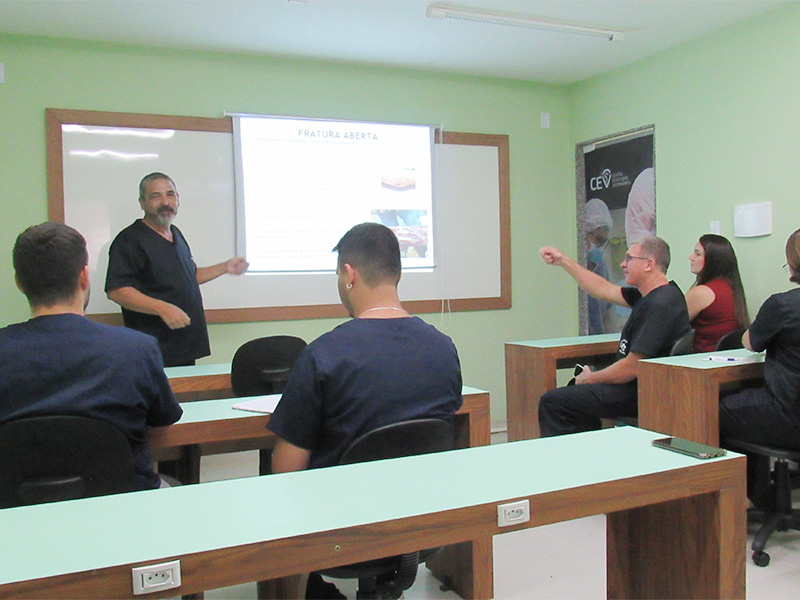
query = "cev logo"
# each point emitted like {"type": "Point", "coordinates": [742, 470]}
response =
{"type": "Point", "coordinates": [602, 182]}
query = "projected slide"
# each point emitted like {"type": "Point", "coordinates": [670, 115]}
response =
{"type": "Point", "coordinates": [302, 183]}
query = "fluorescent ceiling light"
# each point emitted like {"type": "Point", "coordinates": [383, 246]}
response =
{"type": "Point", "coordinates": [444, 11]}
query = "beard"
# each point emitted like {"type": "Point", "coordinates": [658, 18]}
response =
{"type": "Point", "coordinates": [165, 217]}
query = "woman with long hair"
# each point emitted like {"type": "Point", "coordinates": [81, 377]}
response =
{"type": "Point", "coordinates": [716, 301]}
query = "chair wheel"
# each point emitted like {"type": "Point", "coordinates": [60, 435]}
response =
{"type": "Point", "coordinates": [761, 558]}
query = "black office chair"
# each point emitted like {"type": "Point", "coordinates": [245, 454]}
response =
{"type": "Point", "coordinates": [53, 458]}
{"type": "Point", "coordinates": [262, 366]}
{"type": "Point", "coordinates": [684, 344]}
{"type": "Point", "coordinates": [779, 516]}
{"type": "Point", "coordinates": [389, 577]}
{"type": "Point", "coordinates": [731, 340]}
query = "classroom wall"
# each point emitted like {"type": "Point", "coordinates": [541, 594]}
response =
{"type": "Point", "coordinates": [724, 109]}
{"type": "Point", "coordinates": [43, 73]}
{"type": "Point", "coordinates": [726, 117]}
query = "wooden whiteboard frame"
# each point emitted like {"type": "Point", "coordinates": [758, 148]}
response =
{"type": "Point", "coordinates": [56, 118]}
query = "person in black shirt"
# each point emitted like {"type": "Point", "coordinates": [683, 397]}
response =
{"type": "Point", "coordinates": [152, 276]}
{"type": "Point", "coordinates": [658, 319]}
{"type": "Point", "coordinates": [770, 413]}
{"type": "Point", "coordinates": [61, 363]}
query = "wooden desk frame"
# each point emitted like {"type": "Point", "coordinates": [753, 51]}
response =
{"type": "Point", "coordinates": [678, 533]}
{"type": "Point", "coordinates": [531, 371]}
{"type": "Point", "coordinates": [202, 387]}
{"type": "Point", "coordinates": [684, 401]}
{"type": "Point", "coordinates": [472, 424]}
{"type": "Point", "coordinates": [461, 566]}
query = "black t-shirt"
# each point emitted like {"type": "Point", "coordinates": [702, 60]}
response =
{"type": "Point", "coordinates": [776, 329]}
{"type": "Point", "coordinates": [142, 259]}
{"type": "Point", "coordinates": [365, 374]}
{"type": "Point", "coordinates": [68, 365]}
{"type": "Point", "coordinates": [656, 322]}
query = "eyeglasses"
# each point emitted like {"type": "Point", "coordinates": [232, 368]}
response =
{"type": "Point", "coordinates": [786, 267]}
{"type": "Point", "coordinates": [629, 258]}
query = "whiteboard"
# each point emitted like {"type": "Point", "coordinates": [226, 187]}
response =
{"type": "Point", "coordinates": [96, 160]}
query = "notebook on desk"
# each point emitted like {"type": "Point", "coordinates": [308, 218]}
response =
{"type": "Point", "coordinates": [259, 404]}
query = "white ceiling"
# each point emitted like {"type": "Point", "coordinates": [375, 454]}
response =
{"type": "Point", "coordinates": [391, 32]}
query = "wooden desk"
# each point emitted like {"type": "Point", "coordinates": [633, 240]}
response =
{"type": "Point", "coordinates": [213, 382]}
{"type": "Point", "coordinates": [676, 525]}
{"type": "Point", "coordinates": [212, 426]}
{"type": "Point", "coordinates": [679, 395]}
{"type": "Point", "coordinates": [214, 421]}
{"type": "Point", "coordinates": [201, 382]}
{"type": "Point", "coordinates": [531, 371]}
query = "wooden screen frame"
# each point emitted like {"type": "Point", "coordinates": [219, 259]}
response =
{"type": "Point", "coordinates": [55, 118]}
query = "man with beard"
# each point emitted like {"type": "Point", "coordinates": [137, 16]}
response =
{"type": "Point", "coordinates": [152, 276]}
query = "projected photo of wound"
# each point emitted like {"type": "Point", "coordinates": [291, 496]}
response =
{"type": "Point", "coordinates": [399, 180]}
{"type": "Point", "coordinates": [411, 229]}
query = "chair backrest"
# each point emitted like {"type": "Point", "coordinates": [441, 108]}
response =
{"type": "Point", "coordinates": [262, 366]}
{"type": "Point", "coordinates": [53, 458]}
{"type": "Point", "coordinates": [684, 344]}
{"type": "Point", "coordinates": [731, 340]}
{"type": "Point", "coordinates": [407, 438]}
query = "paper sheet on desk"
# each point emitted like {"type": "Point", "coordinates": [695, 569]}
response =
{"type": "Point", "coordinates": [260, 404]}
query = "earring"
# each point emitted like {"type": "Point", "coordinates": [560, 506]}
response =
{"type": "Point", "coordinates": [349, 286]}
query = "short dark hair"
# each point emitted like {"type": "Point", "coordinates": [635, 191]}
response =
{"type": "Point", "coordinates": [719, 262]}
{"type": "Point", "coordinates": [48, 259]}
{"type": "Point", "coordinates": [373, 249]}
{"type": "Point", "coordinates": [793, 255]}
{"type": "Point", "coordinates": [152, 177]}
{"type": "Point", "coordinates": [657, 249]}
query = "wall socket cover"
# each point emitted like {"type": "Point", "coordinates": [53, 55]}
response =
{"type": "Point", "coordinates": [513, 513]}
{"type": "Point", "coordinates": [155, 578]}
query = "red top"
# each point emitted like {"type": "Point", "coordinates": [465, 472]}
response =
{"type": "Point", "coordinates": [717, 319]}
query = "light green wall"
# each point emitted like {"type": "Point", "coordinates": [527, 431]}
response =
{"type": "Point", "coordinates": [727, 121]}
{"type": "Point", "coordinates": [724, 109]}
{"type": "Point", "coordinates": [62, 74]}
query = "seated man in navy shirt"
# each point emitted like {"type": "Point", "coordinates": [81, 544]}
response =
{"type": "Point", "coordinates": [658, 319]}
{"type": "Point", "coordinates": [61, 363]}
{"type": "Point", "coordinates": [381, 367]}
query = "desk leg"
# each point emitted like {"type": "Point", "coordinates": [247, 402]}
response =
{"type": "Point", "coordinates": [265, 461]}
{"type": "Point", "coordinates": [189, 465]}
{"type": "Point", "coordinates": [466, 568]}
{"type": "Point", "coordinates": [186, 468]}
{"type": "Point", "coordinates": [529, 374]}
{"type": "Point", "coordinates": [292, 586]}
{"type": "Point", "coordinates": [689, 548]}
{"type": "Point", "coordinates": [473, 429]}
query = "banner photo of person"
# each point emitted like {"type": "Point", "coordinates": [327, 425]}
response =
{"type": "Point", "coordinates": [617, 209]}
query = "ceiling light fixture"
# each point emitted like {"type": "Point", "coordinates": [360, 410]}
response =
{"type": "Point", "coordinates": [444, 11]}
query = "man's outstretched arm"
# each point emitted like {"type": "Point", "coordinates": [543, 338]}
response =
{"type": "Point", "coordinates": [592, 283]}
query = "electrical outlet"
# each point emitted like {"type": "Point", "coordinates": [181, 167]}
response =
{"type": "Point", "coordinates": [155, 578]}
{"type": "Point", "coordinates": [513, 513]}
